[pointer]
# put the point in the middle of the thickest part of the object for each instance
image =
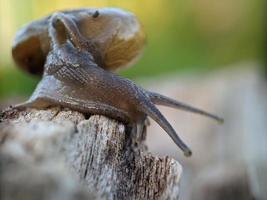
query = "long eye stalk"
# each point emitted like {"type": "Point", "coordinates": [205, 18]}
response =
{"type": "Point", "coordinates": [166, 101]}
{"type": "Point", "coordinates": [149, 108]}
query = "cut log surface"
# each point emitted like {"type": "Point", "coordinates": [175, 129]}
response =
{"type": "Point", "coordinates": [61, 154]}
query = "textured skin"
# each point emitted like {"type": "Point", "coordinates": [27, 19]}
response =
{"type": "Point", "coordinates": [73, 79]}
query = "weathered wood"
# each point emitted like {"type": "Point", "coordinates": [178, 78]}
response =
{"type": "Point", "coordinates": [63, 147]}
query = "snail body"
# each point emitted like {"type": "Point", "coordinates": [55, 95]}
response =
{"type": "Point", "coordinates": [75, 77]}
{"type": "Point", "coordinates": [80, 83]}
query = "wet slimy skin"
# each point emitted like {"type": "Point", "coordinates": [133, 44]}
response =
{"type": "Point", "coordinates": [77, 64]}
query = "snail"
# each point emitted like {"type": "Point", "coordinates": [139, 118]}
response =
{"type": "Point", "coordinates": [77, 52]}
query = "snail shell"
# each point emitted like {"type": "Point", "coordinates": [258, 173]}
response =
{"type": "Point", "coordinates": [116, 35]}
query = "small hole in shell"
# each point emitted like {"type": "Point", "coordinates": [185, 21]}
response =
{"type": "Point", "coordinates": [96, 14]}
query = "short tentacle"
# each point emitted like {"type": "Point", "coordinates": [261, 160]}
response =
{"type": "Point", "coordinates": [69, 26]}
{"type": "Point", "coordinates": [62, 27]}
{"type": "Point", "coordinates": [166, 101]}
{"type": "Point", "coordinates": [150, 109]}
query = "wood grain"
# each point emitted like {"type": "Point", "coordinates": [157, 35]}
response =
{"type": "Point", "coordinates": [58, 153]}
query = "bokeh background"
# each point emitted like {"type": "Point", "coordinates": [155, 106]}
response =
{"type": "Point", "coordinates": [183, 36]}
{"type": "Point", "coordinates": [209, 53]}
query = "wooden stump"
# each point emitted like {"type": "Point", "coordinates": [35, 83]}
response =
{"type": "Point", "coordinates": [59, 154]}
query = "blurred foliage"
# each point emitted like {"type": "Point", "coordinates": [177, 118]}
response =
{"type": "Point", "coordinates": [183, 36]}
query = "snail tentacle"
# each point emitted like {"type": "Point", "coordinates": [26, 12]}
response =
{"type": "Point", "coordinates": [166, 101]}
{"type": "Point", "coordinates": [150, 109]}
{"type": "Point", "coordinates": [69, 26]}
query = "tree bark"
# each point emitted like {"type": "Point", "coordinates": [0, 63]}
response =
{"type": "Point", "coordinates": [61, 154]}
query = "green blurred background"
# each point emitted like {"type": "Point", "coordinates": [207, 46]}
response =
{"type": "Point", "coordinates": [183, 36]}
